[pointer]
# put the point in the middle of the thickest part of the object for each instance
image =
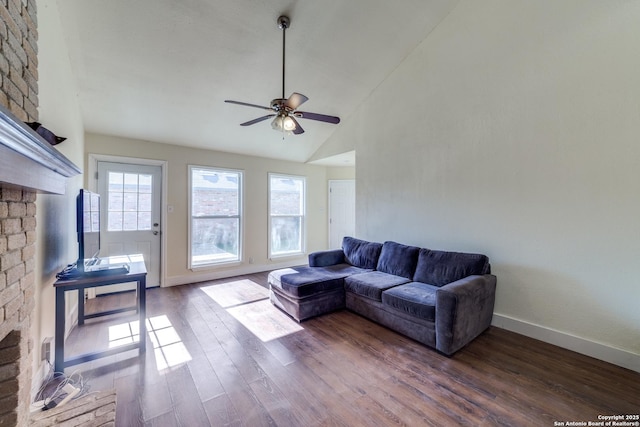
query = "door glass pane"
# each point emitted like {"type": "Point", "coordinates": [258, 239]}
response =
{"type": "Point", "coordinates": [130, 221]}
{"type": "Point", "coordinates": [115, 221]}
{"type": "Point", "coordinates": [144, 220]}
{"type": "Point", "coordinates": [115, 201]}
{"type": "Point", "coordinates": [131, 182]}
{"type": "Point", "coordinates": [116, 181]}
{"type": "Point", "coordinates": [144, 202]}
{"type": "Point", "coordinates": [144, 183]}
{"type": "Point", "coordinates": [130, 202]}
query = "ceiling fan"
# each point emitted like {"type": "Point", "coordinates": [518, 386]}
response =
{"type": "Point", "coordinates": [285, 110]}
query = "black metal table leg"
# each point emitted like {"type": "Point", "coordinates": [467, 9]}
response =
{"type": "Point", "coordinates": [59, 341]}
{"type": "Point", "coordinates": [142, 308]}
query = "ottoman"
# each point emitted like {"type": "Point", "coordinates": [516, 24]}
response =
{"type": "Point", "coordinates": [304, 292]}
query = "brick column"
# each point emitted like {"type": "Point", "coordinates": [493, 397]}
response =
{"type": "Point", "coordinates": [17, 290]}
{"type": "Point", "coordinates": [19, 93]}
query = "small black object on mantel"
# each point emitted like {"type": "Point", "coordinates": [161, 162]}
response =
{"type": "Point", "coordinates": [48, 136]}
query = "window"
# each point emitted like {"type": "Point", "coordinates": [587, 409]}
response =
{"type": "Point", "coordinates": [286, 214]}
{"type": "Point", "coordinates": [215, 213]}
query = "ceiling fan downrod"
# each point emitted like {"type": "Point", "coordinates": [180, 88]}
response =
{"type": "Point", "coordinates": [283, 23]}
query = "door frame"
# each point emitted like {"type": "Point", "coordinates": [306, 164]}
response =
{"type": "Point", "coordinates": [93, 186]}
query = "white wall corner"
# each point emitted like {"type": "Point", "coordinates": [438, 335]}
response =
{"type": "Point", "coordinates": [593, 349]}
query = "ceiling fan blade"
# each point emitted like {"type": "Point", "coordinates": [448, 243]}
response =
{"type": "Point", "coordinates": [319, 117]}
{"type": "Point", "coordinates": [295, 100]}
{"type": "Point", "coordinates": [258, 120]}
{"type": "Point", "coordinates": [298, 130]}
{"type": "Point", "coordinates": [247, 104]}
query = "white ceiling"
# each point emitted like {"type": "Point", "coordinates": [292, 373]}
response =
{"type": "Point", "coordinates": [160, 70]}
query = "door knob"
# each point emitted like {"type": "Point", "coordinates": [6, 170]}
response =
{"type": "Point", "coordinates": [155, 233]}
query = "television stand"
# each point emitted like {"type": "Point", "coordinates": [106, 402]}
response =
{"type": "Point", "coordinates": [137, 273]}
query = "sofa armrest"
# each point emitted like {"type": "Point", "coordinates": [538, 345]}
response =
{"type": "Point", "coordinates": [464, 309]}
{"type": "Point", "coordinates": [326, 258]}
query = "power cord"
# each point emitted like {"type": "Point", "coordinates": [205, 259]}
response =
{"type": "Point", "coordinates": [64, 389]}
{"type": "Point", "coordinates": [69, 272]}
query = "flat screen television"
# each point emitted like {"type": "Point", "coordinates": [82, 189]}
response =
{"type": "Point", "coordinates": [88, 226]}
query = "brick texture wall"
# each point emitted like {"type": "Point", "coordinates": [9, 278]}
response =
{"type": "Point", "coordinates": [19, 58]}
{"type": "Point", "coordinates": [19, 93]}
{"type": "Point", "coordinates": [17, 290]}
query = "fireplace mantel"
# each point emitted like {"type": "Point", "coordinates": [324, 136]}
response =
{"type": "Point", "coordinates": [28, 161]}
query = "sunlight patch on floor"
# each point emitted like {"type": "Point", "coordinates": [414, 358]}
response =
{"type": "Point", "coordinates": [237, 292]}
{"type": "Point", "coordinates": [264, 320]}
{"type": "Point", "coordinates": [167, 345]}
{"type": "Point", "coordinates": [249, 303]}
{"type": "Point", "coordinates": [124, 333]}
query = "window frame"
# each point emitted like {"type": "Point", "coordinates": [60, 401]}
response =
{"type": "Point", "coordinates": [240, 216]}
{"type": "Point", "coordinates": [302, 216]}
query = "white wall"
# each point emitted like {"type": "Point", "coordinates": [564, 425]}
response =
{"type": "Point", "coordinates": [56, 244]}
{"type": "Point", "coordinates": [519, 137]}
{"type": "Point", "coordinates": [256, 170]}
{"type": "Point", "coordinates": [345, 172]}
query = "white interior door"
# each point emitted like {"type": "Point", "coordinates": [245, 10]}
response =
{"type": "Point", "coordinates": [342, 211]}
{"type": "Point", "coordinates": [130, 215]}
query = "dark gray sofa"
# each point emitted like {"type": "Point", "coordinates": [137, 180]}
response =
{"type": "Point", "coordinates": [441, 299]}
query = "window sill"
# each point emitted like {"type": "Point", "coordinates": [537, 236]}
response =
{"type": "Point", "coordinates": [289, 255]}
{"type": "Point", "coordinates": [214, 265]}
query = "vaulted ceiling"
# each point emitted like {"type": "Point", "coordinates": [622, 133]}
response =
{"type": "Point", "coordinates": [160, 70]}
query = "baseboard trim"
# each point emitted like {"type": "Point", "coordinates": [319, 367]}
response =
{"type": "Point", "coordinates": [593, 349]}
{"type": "Point", "coordinates": [203, 276]}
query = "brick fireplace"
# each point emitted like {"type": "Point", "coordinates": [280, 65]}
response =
{"type": "Point", "coordinates": [17, 287]}
{"type": "Point", "coordinates": [28, 165]}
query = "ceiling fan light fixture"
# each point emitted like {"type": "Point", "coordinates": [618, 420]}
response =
{"type": "Point", "coordinates": [283, 123]}
{"type": "Point", "coordinates": [288, 123]}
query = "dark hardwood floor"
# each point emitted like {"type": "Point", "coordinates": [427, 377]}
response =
{"type": "Point", "coordinates": [205, 367]}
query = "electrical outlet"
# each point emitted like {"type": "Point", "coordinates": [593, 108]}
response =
{"type": "Point", "coordinates": [45, 352]}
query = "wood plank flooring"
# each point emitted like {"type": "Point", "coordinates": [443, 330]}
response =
{"type": "Point", "coordinates": [205, 367]}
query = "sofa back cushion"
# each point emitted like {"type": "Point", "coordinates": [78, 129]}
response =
{"type": "Point", "coordinates": [439, 267]}
{"type": "Point", "coordinates": [361, 253]}
{"type": "Point", "coordinates": [397, 259]}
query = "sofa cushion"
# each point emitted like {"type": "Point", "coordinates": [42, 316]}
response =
{"type": "Point", "coordinates": [416, 299]}
{"type": "Point", "coordinates": [326, 258]}
{"type": "Point", "coordinates": [439, 267]}
{"type": "Point", "coordinates": [300, 282]}
{"type": "Point", "coordinates": [398, 259]}
{"type": "Point", "coordinates": [361, 253]}
{"type": "Point", "coordinates": [372, 284]}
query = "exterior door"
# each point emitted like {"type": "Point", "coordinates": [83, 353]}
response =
{"type": "Point", "coordinates": [342, 211]}
{"type": "Point", "coordinates": [130, 212]}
